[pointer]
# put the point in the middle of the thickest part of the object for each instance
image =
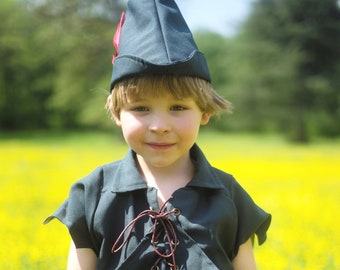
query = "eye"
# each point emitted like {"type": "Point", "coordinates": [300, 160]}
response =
{"type": "Point", "coordinates": [140, 109]}
{"type": "Point", "coordinates": [177, 108]}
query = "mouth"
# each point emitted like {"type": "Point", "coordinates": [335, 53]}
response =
{"type": "Point", "coordinates": [160, 146]}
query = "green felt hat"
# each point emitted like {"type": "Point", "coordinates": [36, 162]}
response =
{"type": "Point", "coordinates": [153, 38]}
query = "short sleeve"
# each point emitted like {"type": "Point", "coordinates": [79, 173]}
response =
{"type": "Point", "coordinates": [77, 212]}
{"type": "Point", "coordinates": [251, 218]}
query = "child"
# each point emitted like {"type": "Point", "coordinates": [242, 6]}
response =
{"type": "Point", "coordinates": [163, 206]}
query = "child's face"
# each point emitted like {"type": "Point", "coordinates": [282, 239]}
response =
{"type": "Point", "coordinates": [161, 130]}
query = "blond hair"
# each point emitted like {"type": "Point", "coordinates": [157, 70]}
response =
{"type": "Point", "coordinates": [200, 90]}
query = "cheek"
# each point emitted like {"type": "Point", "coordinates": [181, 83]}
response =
{"type": "Point", "coordinates": [188, 126]}
{"type": "Point", "coordinates": [130, 126]}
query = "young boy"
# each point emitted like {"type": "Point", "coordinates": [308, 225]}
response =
{"type": "Point", "coordinates": [163, 206]}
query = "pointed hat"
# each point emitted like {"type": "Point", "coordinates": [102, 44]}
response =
{"type": "Point", "coordinates": [153, 38]}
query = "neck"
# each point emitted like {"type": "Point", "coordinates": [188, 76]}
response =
{"type": "Point", "coordinates": [167, 179]}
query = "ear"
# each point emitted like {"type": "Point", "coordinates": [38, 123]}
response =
{"type": "Point", "coordinates": [113, 115]}
{"type": "Point", "coordinates": [116, 119]}
{"type": "Point", "coordinates": [205, 118]}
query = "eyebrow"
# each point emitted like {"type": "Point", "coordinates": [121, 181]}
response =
{"type": "Point", "coordinates": [140, 98]}
{"type": "Point", "coordinates": [135, 99]}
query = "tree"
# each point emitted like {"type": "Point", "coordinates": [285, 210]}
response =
{"type": "Point", "coordinates": [53, 54]}
{"type": "Point", "coordinates": [85, 30]}
{"type": "Point", "coordinates": [292, 52]}
{"type": "Point", "coordinates": [218, 51]}
{"type": "Point", "coordinates": [23, 91]}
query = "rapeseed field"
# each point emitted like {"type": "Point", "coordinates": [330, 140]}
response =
{"type": "Point", "coordinates": [298, 185]}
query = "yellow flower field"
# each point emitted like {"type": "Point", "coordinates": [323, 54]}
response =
{"type": "Point", "coordinates": [298, 185]}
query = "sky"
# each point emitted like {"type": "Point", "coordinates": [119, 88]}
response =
{"type": "Point", "coordinates": [222, 16]}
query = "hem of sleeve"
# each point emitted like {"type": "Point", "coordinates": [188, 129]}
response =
{"type": "Point", "coordinates": [261, 231]}
{"type": "Point", "coordinates": [75, 235]}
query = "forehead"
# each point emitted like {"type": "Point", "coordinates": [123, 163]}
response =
{"type": "Point", "coordinates": [156, 88]}
{"type": "Point", "coordinates": [167, 98]}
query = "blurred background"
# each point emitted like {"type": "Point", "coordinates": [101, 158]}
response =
{"type": "Point", "coordinates": [277, 61]}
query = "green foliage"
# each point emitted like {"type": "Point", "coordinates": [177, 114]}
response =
{"type": "Point", "coordinates": [292, 49]}
{"type": "Point", "coordinates": [83, 68]}
{"type": "Point", "coordinates": [25, 70]}
{"type": "Point", "coordinates": [281, 71]}
{"type": "Point", "coordinates": [56, 61]}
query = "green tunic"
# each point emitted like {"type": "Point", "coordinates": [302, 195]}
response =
{"type": "Point", "coordinates": [216, 217]}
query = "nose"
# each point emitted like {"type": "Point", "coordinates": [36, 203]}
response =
{"type": "Point", "coordinates": [160, 123]}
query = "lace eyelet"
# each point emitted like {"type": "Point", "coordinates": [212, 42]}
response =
{"type": "Point", "coordinates": [173, 243]}
{"type": "Point", "coordinates": [177, 212]}
{"type": "Point", "coordinates": [154, 242]}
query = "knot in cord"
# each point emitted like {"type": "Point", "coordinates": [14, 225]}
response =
{"type": "Point", "coordinates": [161, 224]}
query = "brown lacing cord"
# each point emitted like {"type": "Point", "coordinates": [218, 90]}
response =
{"type": "Point", "coordinates": [160, 218]}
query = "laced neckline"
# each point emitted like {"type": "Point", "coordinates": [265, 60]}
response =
{"type": "Point", "coordinates": [162, 229]}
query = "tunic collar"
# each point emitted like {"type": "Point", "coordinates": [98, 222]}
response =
{"type": "Point", "coordinates": [127, 177]}
{"type": "Point", "coordinates": [205, 175]}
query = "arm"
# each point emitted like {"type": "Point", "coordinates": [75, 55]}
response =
{"type": "Point", "coordinates": [81, 258]}
{"type": "Point", "coordinates": [244, 259]}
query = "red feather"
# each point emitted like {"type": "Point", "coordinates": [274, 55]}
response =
{"type": "Point", "coordinates": [116, 37]}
